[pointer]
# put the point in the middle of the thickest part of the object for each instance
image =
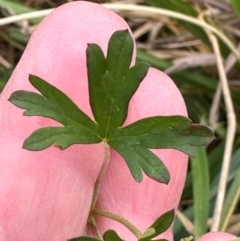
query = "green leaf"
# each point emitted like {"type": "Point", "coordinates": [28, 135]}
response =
{"type": "Point", "coordinates": [162, 132]}
{"type": "Point", "coordinates": [160, 240]}
{"type": "Point", "coordinates": [147, 235]}
{"type": "Point", "coordinates": [78, 127]}
{"type": "Point", "coordinates": [112, 82]}
{"type": "Point", "coordinates": [236, 6]}
{"type": "Point", "coordinates": [68, 108]}
{"type": "Point", "coordinates": [201, 189]}
{"type": "Point", "coordinates": [61, 137]}
{"type": "Point", "coordinates": [5, 74]}
{"type": "Point", "coordinates": [18, 8]}
{"type": "Point", "coordinates": [159, 226]}
{"type": "Point", "coordinates": [84, 239]}
{"type": "Point", "coordinates": [185, 8]}
{"type": "Point", "coordinates": [111, 235]}
{"type": "Point", "coordinates": [120, 50]}
{"type": "Point", "coordinates": [139, 158]}
{"type": "Point", "coordinates": [231, 201]}
{"type": "Point", "coordinates": [15, 6]}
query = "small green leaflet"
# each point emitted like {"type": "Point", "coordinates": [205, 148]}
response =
{"type": "Point", "coordinates": [157, 228]}
{"type": "Point", "coordinates": [109, 98]}
{"type": "Point", "coordinates": [77, 128]}
{"type": "Point", "coordinates": [112, 83]}
{"type": "Point", "coordinates": [83, 238]}
{"type": "Point", "coordinates": [109, 235]}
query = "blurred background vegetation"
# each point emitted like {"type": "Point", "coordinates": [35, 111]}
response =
{"type": "Point", "coordinates": [183, 51]}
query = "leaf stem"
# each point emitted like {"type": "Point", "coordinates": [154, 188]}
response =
{"type": "Point", "coordinates": [101, 174]}
{"type": "Point", "coordinates": [119, 219]}
{"type": "Point", "coordinates": [96, 230]}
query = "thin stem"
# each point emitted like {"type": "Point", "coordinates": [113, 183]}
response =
{"type": "Point", "coordinates": [25, 16]}
{"type": "Point", "coordinates": [214, 111]}
{"type": "Point", "coordinates": [135, 8]}
{"type": "Point", "coordinates": [187, 223]}
{"type": "Point", "coordinates": [118, 219]}
{"type": "Point", "coordinates": [173, 14]}
{"type": "Point", "coordinates": [96, 230]}
{"type": "Point", "coordinates": [230, 134]}
{"type": "Point", "coordinates": [231, 211]}
{"type": "Point", "coordinates": [101, 174]}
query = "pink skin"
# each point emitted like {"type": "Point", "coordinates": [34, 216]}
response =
{"type": "Point", "coordinates": [47, 195]}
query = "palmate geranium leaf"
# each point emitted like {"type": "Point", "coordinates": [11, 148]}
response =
{"type": "Point", "coordinates": [139, 159]}
{"type": "Point", "coordinates": [77, 126]}
{"type": "Point", "coordinates": [159, 132]}
{"type": "Point", "coordinates": [162, 132]}
{"type": "Point", "coordinates": [112, 82]}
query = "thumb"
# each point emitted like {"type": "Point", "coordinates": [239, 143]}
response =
{"type": "Point", "coordinates": [47, 195]}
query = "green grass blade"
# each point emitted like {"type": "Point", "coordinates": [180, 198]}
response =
{"type": "Point", "coordinates": [182, 7]}
{"type": "Point", "coordinates": [191, 77]}
{"type": "Point", "coordinates": [188, 79]}
{"type": "Point", "coordinates": [235, 165]}
{"type": "Point", "coordinates": [236, 6]}
{"type": "Point", "coordinates": [18, 8]}
{"type": "Point", "coordinates": [231, 201]}
{"type": "Point", "coordinates": [15, 6]}
{"type": "Point", "coordinates": [200, 177]}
